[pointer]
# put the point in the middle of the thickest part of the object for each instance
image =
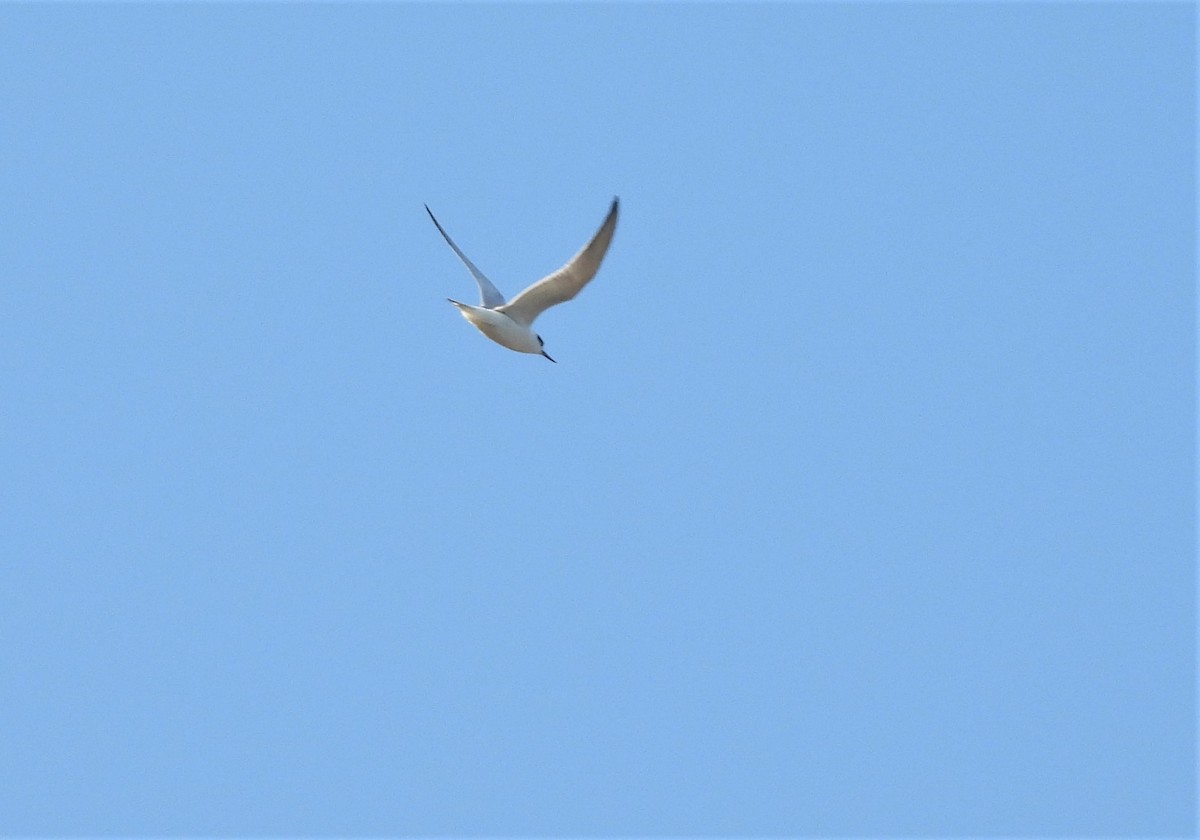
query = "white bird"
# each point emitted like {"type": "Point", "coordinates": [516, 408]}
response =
{"type": "Point", "coordinates": [509, 323]}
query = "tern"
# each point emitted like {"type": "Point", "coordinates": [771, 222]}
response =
{"type": "Point", "coordinates": [509, 324]}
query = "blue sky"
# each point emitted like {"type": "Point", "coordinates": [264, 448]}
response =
{"type": "Point", "coordinates": [861, 500]}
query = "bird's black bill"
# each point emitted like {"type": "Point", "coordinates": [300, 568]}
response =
{"type": "Point", "coordinates": [547, 355]}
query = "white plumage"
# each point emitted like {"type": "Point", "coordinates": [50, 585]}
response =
{"type": "Point", "coordinates": [509, 324]}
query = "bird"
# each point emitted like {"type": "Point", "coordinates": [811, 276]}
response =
{"type": "Point", "coordinates": [510, 323]}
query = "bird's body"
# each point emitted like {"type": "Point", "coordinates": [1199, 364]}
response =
{"type": "Point", "coordinates": [500, 328]}
{"type": "Point", "coordinates": [510, 323]}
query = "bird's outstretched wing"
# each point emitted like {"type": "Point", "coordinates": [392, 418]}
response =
{"type": "Point", "coordinates": [565, 283]}
{"type": "Point", "coordinates": [489, 295]}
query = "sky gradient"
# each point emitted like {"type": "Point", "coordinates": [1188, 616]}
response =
{"type": "Point", "coordinates": [861, 500]}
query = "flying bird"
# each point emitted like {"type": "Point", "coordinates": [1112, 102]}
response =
{"type": "Point", "coordinates": [510, 324]}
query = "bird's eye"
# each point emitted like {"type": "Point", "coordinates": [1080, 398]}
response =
{"type": "Point", "coordinates": [540, 342]}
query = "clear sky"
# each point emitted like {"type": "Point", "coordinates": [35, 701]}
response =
{"type": "Point", "coordinates": [861, 500]}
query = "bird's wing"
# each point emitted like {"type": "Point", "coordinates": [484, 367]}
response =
{"type": "Point", "coordinates": [489, 295]}
{"type": "Point", "coordinates": [565, 283]}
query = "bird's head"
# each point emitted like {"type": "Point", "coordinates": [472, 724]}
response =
{"type": "Point", "coordinates": [542, 345]}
